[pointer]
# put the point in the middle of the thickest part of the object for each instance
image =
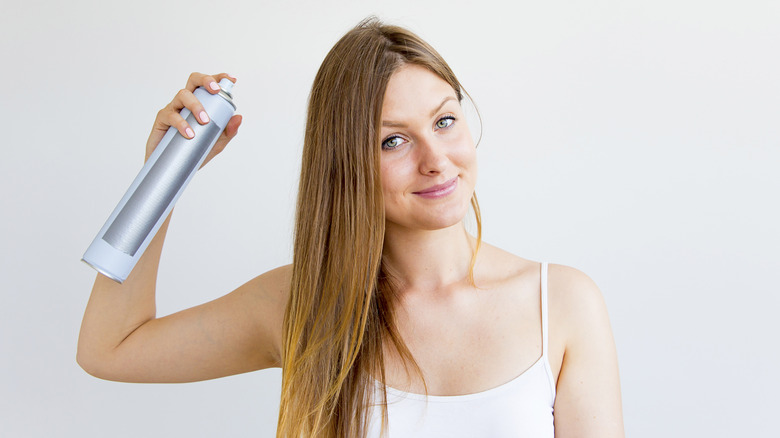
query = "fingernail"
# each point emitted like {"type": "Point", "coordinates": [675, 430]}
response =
{"type": "Point", "coordinates": [231, 76]}
{"type": "Point", "coordinates": [214, 86]}
{"type": "Point", "coordinates": [189, 133]}
{"type": "Point", "coordinates": [203, 117]}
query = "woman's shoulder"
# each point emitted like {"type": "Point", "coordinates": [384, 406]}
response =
{"type": "Point", "coordinates": [573, 291]}
{"type": "Point", "coordinates": [582, 354]}
{"type": "Point", "coordinates": [257, 309]}
{"type": "Point", "coordinates": [574, 298]}
{"type": "Point", "coordinates": [500, 265]}
{"type": "Point", "coordinates": [272, 284]}
{"type": "Point", "coordinates": [577, 310]}
{"type": "Point", "coordinates": [280, 275]}
{"type": "Point", "coordinates": [265, 295]}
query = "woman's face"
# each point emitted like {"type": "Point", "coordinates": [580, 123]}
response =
{"type": "Point", "coordinates": [429, 163]}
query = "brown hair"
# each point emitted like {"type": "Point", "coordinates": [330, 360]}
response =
{"type": "Point", "coordinates": [340, 307]}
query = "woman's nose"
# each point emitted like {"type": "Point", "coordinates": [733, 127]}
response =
{"type": "Point", "coordinates": [432, 156]}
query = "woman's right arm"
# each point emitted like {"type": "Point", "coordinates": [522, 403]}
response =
{"type": "Point", "coordinates": [121, 338]}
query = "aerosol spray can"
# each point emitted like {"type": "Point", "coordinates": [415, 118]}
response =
{"type": "Point", "coordinates": [153, 193]}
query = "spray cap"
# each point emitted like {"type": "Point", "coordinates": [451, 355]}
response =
{"type": "Point", "coordinates": [226, 85]}
{"type": "Point", "coordinates": [226, 88]}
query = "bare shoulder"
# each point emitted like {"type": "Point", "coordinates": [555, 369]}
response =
{"type": "Point", "coordinates": [570, 279]}
{"type": "Point", "coordinates": [588, 402]}
{"type": "Point", "coordinates": [581, 347]}
{"type": "Point", "coordinates": [495, 265]}
{"type": "Point", "coordinates": [266, 297]}
{"type": "Point", "coordinates": [574, 298]}
{"type": "Point", "coordinates": [267, 292]}
{"type": "Point", "coordinates": [271, 285]}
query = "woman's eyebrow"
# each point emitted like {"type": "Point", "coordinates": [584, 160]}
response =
{"type": "Point", "coordinates": [433, 113]}
{"type": "Point", "coordinates": [392, 124]}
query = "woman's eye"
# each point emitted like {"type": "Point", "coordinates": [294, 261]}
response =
{"type": "Point", "coordinates": [392, 142]}
{"type": "Point", "coordinates": [445, 122]}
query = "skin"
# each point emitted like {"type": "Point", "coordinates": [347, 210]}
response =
{"type": "Point", "coordinates": [464, 339]}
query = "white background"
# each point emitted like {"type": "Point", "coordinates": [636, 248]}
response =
{"type": "Point", "coordinates": [635, 140]}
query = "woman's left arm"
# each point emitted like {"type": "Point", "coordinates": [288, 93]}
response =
{"type": "Point", "coordinates": [588, 402]}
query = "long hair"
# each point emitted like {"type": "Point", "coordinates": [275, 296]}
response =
{"type": "Point", "coordinates": [341, 297]}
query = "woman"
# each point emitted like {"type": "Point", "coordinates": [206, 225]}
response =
{"type": "Point", "coordinates": [391, 318]}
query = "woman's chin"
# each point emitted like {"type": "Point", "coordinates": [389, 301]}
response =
{"type": "Point", "coordinates": [429, 222]}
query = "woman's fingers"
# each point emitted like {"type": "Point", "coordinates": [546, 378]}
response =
{"type": "Point", "coordinates": [169, 116]}
{"type": "Point", "coordinates": [209, 82]}
{"type": "Point", "coordinates": [185, 99]}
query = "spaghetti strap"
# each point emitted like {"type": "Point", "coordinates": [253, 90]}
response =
{"type": "Point", "coordinates": [544, 309]}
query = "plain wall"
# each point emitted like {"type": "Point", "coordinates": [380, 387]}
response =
{"type": "Point", "coordinates": [635, 140]}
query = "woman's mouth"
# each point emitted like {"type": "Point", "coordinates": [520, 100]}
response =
{"type": "Point", "coordinates": [439, 190]}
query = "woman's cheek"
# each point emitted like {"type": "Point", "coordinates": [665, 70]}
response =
{"type": "Point", "coordinates": [467, 153]}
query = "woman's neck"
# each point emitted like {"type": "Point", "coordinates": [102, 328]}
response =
{"type": "Point", "coordinates": [428, 260]}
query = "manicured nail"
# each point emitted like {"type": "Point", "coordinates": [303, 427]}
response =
{"type": "Point", "coordinates": [203, 117]}
{"type": "Point", "coordinates": [231, 76]}
{"type": "Point", "coordinates": [189, 132]}
{"type": "Point", "coordinates": [214, 86]}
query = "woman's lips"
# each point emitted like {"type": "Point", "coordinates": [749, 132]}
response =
{"type": "Point", "coordinates": [439, 190]}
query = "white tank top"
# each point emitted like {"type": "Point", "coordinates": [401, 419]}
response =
{"type": "Point", "coordinates": [522, 407]}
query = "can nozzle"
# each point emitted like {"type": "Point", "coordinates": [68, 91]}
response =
{"type": "Point", "coordinates": [226, 85]}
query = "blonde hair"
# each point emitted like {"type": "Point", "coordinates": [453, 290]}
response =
{"type": "Point", "coordinates": [340, 307]}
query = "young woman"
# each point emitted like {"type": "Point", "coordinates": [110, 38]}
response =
{"type": "Point", "coordinates": [391, 318]}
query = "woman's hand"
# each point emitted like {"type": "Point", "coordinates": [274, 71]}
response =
{"type": "Point", "coordinates": [169, 116]}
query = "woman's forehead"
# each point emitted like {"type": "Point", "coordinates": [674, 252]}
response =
{"type": "Point", "coordinates": [416, 89]}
